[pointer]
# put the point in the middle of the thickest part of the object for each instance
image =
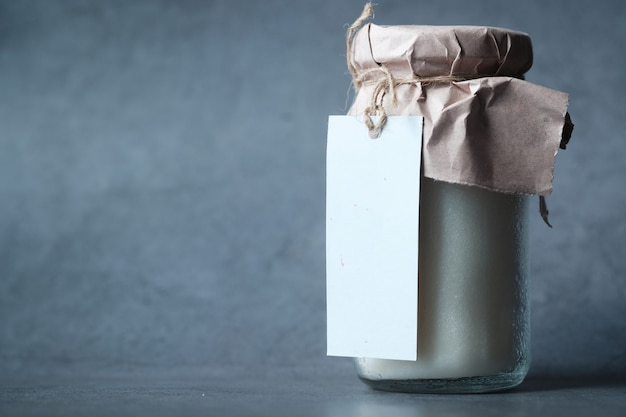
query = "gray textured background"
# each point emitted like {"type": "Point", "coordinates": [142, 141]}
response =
{"type": "Point", "coordinates": [162, 183]}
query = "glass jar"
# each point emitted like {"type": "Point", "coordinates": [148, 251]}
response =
{"type": "Point", "coordinates": [490, 140]}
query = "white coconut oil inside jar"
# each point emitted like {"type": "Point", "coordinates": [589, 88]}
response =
{"type": "Point", "coordinates": [473, 317]}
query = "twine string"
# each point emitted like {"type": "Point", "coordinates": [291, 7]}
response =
{"type": "Point", "coordinates": [383, 80]}
{"type": "Point", "coordinates": [368, 11]}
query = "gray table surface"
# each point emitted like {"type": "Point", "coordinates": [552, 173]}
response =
{"type": "Point", "coordinates": [162, 208]}
{"type": "Point", "coordinates": [293, 391]}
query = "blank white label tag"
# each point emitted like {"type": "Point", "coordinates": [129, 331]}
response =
{"type": "Point", "coordinates": [372, 228]}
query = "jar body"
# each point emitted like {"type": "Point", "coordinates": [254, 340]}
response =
{"type": "Point", "coordinates": [473, 313]}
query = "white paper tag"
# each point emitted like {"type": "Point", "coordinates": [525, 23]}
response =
{"type": "Point", "coordinates": [372, 228]}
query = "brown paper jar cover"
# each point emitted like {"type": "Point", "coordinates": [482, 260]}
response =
{"type": "Point", "coordinates": [493, 130]}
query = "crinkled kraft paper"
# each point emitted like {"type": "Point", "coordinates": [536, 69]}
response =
{"type": "Point", "coordinates": [498, 131]}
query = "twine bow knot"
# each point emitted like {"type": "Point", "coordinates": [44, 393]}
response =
{"type": "Point", "coordinates": [383, 80]}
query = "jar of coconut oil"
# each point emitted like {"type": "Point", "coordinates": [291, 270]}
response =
{"type": "Point", "coordinates": [489, 142]}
